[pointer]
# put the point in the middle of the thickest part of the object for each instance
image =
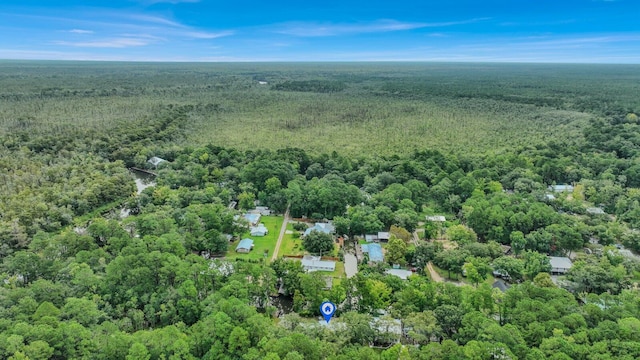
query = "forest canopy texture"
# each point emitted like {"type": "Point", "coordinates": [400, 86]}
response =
{"type": "Point", "coordinates": [92, 268]}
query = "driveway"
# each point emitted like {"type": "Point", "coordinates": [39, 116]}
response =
{"type": "Point", "coordinates": [350, 265]}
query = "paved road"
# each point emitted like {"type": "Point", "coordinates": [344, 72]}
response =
{"type": "Point", "coordinates": [283, 230]}
{"type": "Point", "coordinates": [350, 265]}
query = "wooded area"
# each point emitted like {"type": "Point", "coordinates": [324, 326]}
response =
{"type": "Point", "coordinates": [372, 147]}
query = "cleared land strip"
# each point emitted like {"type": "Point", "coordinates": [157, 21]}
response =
{"type": "Point", "coordinates": [283, 229]}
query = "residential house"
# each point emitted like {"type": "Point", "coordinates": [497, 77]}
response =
{"type": "Point", "coordinates": [252, 218]}
{"type": "Point", "coordinates": [259, 230]}
{"type": "Point", "coordinates": [262, 210]}
{"type": "Point", "coordinates": [561, 188]}
{"type": "Point", "coordinates": [244, 246]}
{"type": "Point", "coordinates": [560, 265]}
{"type": "Point", "coordinates": [595, 211]}
{"type": "Point", "coordinates": [436, 218]}
{"type": "Point", "coordinates": [401, 273]}
{"type": "Point", "coordinates": [380, 236]}
{"type": "Point", "coordinates": [155, 161]}
{"type": "Point", "coordinates": [374, 250]}
{"type": "Point", "coordinates": [326, 228]}
{"type": "Point", "coordinates": [315, 263]}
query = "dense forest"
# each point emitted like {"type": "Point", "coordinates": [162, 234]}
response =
{"type": "Point", "coordinates": [94, 269]}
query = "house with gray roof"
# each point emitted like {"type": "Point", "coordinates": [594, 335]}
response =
{"type": "Point", "coordinates": [155, 161]}
{"type": "Point", "coordinates": [561, 188]}
{"type": "Point", "coordinates": [401, 273]}
{"type": "Point", "coordinates": [315, 263]}
{"type": "Point", "coordinates": [326, 228]}
{"type": "Point", "coordinates": [259, 230]}
{"type": "Point", "coordinates": [560, 265]}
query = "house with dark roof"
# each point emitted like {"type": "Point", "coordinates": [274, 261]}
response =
{"type": "Point", "coordinates": [244, 246]}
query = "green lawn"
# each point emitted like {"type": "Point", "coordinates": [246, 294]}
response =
{"type": "Point", "coordinates": [273, 223]}
{"type": "Point", "coordinates": [291, 245]}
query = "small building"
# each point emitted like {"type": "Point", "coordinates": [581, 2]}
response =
{"type": "Point", "coordinates": [595, 211]}
{"type": "Point", "coordinates": [155, 161]}
{"type": "Point", "coordinates": [549, 197]}
{"type": "Point", "coordinates": [506, 249]}
{"type": "Point", "coordinates": [315, 263]}
{"type": "Point", "coordinates": [401, 273]}
{"type": "Point", "coordinates": [326, 228]}
{"type": "Point", "coordinates": [560, 265]}
{"type": "Point", "coordinates": [371, 237]}
{"type": "Point", "coordinates": [259, 230]}
{"type": "Point", "coordinates": [374, 250]}
{"type": "Point", "coordinates": [252, 218]}
{"type": "Point", "coordinates": [262, 210]}
{"type": "Point", "coordinates": [384, 236]}
{"type": "Point", "coordinates": [244, 246]}
{"type": "Point", "coordinates": [500, 285]}
{"type": "Point", "coordinates": [436, 218]}
{"type": "Point", "coordinates": [561, 188]}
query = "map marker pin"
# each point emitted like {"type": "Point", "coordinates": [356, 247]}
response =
{"type": "Point", "coordinates": [327, 309]}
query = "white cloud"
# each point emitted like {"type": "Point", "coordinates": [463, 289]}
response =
{"type": "Point", "coordinates": [207, 35]}
{"type": "Point", "coordinates": [312, 29]}
{"type": "Point", "coordinates": [121, 42]}
{"type": "Point", "coordinates": [80, 31]}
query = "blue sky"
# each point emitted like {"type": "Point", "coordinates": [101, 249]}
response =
{"type": "Point", "coordinates": [591, 31]}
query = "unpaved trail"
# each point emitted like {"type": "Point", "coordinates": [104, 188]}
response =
{"type": "Point", "coordinates": [283, 230]}
{"type": "Point", "coordinates": [434, 274]}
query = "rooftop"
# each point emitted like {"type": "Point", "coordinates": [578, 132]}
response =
{"type": "Point", "coordinates": [561, 188]}
{"type": "Point", "coordinates": [558, 262]}
{"type": "Point", "coordinates": [246, 244]}
{"type": "Point", "coordinates": [252, 218]}
{"type": "Point", "coordinates": [326, 228]}
{"type": "Point", "coordinates": [436, 218]}
{"type": "Point", "coordinates": [374, 250]}
{"type": "Point", "coordinates": [401, 273]}
{"type": "Point", "coordinates": [315, 263]}
{"type": "Point", "coordinates": [155, 161]}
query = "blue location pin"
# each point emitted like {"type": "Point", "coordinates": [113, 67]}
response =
{"type": "Point", "coordinates": [327, 309]}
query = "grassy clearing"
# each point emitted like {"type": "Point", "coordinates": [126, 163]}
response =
{"type": "Point", "coordinates": [273, 223]}
{"type": "Point", "coordinates": [290, 244]}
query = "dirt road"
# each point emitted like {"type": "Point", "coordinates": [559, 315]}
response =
{"type": "Point", "coordinates": [283, 230]}
{"type": "Point", "coordinates": [434, 275]}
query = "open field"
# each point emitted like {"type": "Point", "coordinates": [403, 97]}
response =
{"type": "Point", "coordinates": [291, 245]}
{"type": "Point", "coordinates": [350, 108]}
{"type": "Point", "coordinates": [261, 244]}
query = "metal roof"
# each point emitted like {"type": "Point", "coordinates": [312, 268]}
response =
{"type": "Point", "coordinates": [375, 252]}
{"type": "Point", "coordinates": [245, 244]}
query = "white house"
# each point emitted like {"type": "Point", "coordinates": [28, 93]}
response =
{"type": "Point", "coordinates": [259, 230]}
{"type": "Point", "coordinates": [315, 263]}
